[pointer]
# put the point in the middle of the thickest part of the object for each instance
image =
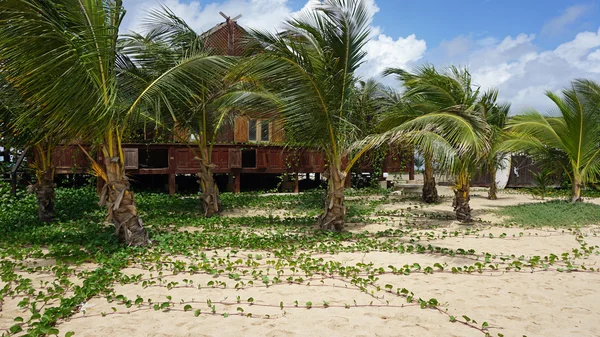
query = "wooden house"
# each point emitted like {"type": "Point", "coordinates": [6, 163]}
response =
{"type": "Point", "coordinates": [249, 146]}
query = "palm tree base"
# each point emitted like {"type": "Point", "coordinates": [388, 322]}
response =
{"type": "Point", "coordinates": [430, 193]}
{"type": "Point", "coordinates": [334, 214]}
{"type": "Point", "coordinates": [461, 206]}
{"type": "Point", "coordinates": [210, 201]}
{"type": "Point", "coordinates": [44, 193]}
{"type": "Point", "coordinates": [120, 202]}
{"type": "Point", "coordinates": [493, 192]}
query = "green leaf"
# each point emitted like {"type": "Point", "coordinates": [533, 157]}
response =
{"type": "Point", "coordinates": [187, 308]}
{"type": "Point", "coordinates": [16, 328]}
{"type": "Point", "coordinates": [69, 334]}
{"type": "Point", "coordinates": [197, 312]}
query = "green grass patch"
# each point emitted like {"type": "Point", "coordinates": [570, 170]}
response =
{"type": "Point", "coordinates": [556, 213]}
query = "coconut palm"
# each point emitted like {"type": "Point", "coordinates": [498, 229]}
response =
{"type": "Point", "coordinates": [24, 133]}
{"type": "Point", "coordinates": [168, 40]}
{"type": "Point", "coordinates": [402, 108]}
{"type": "Point", "coordinates": [62, 57]}
{"type": "Point", "coordinates": [440, 114]}
{"type": "Point", "coordinates": [496, 115]}
{"type": "Point", "coordinates": [573, 132]}
{"type": "Point", "coordinates": [307, 73]}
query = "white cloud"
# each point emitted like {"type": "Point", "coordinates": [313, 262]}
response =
{"type": "Point", "coordinates": [457, 46]}
{"type": "Point", "coordinates": [509, 43]}
{"type": "Point", "coordinates": [522, 72]}
{"type": "Point", "coordinates": [594, 56]}
{"type": "Point", "coordinates": [384, 52]}
{"type": "Point", "coordinates": [201, 16]}
{"type": "Point", "coordinates": [569, 16]}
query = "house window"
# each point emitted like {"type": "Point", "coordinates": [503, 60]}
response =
{"type": "Point", "coordinates": [258, 130]}
{"type": "Point", "coordinates": [252, 130]}
{"type": "Point", "coordinates": [264, 131]}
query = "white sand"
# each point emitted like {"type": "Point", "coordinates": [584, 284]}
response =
{"type": "Point", "coordinates": [542, 303]}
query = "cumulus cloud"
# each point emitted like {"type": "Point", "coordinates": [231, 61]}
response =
{"type": "Point", "coordinates": [569, 16]}
{"type": "Point", "coordinates": [201, 16]}
{"type": "Point", "coordinates": [523, 72]}
{"type": "Point", "coordinates": [383, 50]}
{"type": "Point", "coordinates": [457, 46]}
{"type": "Point", "coordinates": [509, 43]}
{"type": "Point", "coordinates": [520, 69]}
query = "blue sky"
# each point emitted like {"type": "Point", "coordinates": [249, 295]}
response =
{"type": "Point", "coordinates": [439, 20]}
{"type": "Point", "coordinates": [521, 47]}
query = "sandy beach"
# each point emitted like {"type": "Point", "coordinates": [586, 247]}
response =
{"type": "Point", "coordinates": [541, 301]}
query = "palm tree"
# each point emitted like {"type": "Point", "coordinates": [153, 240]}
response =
{"type": "Point", "coordinates": [62, 56]}
{"type": "Point", "coordinates": [496, 115]}
{"type": "Point", "coordinates": [441, 116]}
{"type": "Point", "coordinates": [170, 39]}
{"type": "Point", "coordinates": [574, 134]}
{"type": "Point", "coordinates": [307, 73]}
{"type": "Point", "coordinates": [402, 108]}
{"type": "Point", "coordinates": [24, 133]}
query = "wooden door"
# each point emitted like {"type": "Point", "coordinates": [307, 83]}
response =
{"type": "Point", "coordinates": [131, 158]}
{"type": "Point", "coordinates": [240, 134]}
{"type": "Point", "coordinates": [235, 158]}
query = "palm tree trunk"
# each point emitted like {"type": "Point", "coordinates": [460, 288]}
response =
{"type": "Point", "coordinates": [430, 194]}
{"type": "Point", "coordinates": [120, 201]}
{"type": "Point", "coordinates": [209, 199]}
{"type": "Point", "coordinates": [493, 191]}
{"type": "Point", "coordinates": [576, 191]}
{"type": "Point", "coordinates": [44, 193]}
{"type": "Point", "coordinates": [334, 214]}
{"type": "Point", "coordinates": [44, 188]}
{"type": "Point", "coordinates": [461, 198]}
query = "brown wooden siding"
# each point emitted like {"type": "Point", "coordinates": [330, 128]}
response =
{"type": "Point", "coordinates": [182, 160]}
{"type": "Point", "coordinates": [218, 40]}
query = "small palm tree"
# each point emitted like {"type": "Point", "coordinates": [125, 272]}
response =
{"type": "Point", "coordinates": [63, 58]}
{"type": "Point", "coordinates": [574, 133]}
{"type": "Point", "coordinates": [496, 115]}
{"type": "Point", "coordinates": [26, 133]}
{"type": "Point", "coordinates": [402, 108]}
{"type": "Point", "coordinates": [307, 73]}
{"type": "Point", "coordinates": [169, 40]}
{"type": "Point", "coordinates": [441, 116]}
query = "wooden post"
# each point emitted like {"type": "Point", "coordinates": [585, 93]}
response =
{"type": "Point", "coordinates": [172, 184]}
{"type": "Point", "coordinates": [172, 170]}
{"type": "Point", "coordinates": [238, 182]}
{"type": "Point", "coordinates": [296, 183]}
{"type": "Point", "coordinates": [318, 178]}
{"type": "Point", "coordinates": [230, 182]}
